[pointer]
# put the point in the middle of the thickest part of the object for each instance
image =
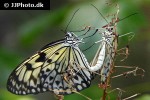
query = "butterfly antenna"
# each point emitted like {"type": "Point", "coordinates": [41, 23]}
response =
{"type": "Point", "coordinates": [71, 18]}
{"type": "Point", "coordinates": [88, 47]}
{"type": "Point", "coordinates": [127, 16]}
{"type": "Point", "coordinates": [100, 13]}
{"type": "Point", "coordinates": [92, 34]}
{"type": "Point", "coordinates": [62, 31]}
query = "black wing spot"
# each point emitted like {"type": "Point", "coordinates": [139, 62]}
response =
{"type": "Point", "coordinates": [108, 63]}
{"type": "Point", "coordinates": [57, 82]}
{"type": "Point", "coordinates": [41, 57]}
{"type": "Point", "coordinates": [57, 53]}
{"type": "Point", "coordinates": [76, 77]}
{"type": "Point", "coordinates": [44, 76]}
{"type": "Point", "coordinates": [51, 78]}
{"type": "Point", "coordinates": [42, 72]}
{"type": "Point", "coordinates": [28, 66]}
{"type": "Point", "coordinates": [49, 60]}
{"type": "Point", "coordinates": [47, 70]}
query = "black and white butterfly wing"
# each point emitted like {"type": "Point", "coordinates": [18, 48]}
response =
{"type": "Point", "coordinates": [25, 79]}
{"type": "Point", "coordinates": [63, 74]}
{"type": "Point", "coordinates": [56, 68]}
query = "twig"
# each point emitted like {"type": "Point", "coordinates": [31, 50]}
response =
{"type": "Point", "coordinates": [131, 96]}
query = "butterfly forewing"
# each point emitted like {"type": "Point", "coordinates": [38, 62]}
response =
{"type": "Point", "coordinates": [25, 79]}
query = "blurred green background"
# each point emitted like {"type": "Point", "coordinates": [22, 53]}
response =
{"type": "Point", "coordinates": [23, 32]}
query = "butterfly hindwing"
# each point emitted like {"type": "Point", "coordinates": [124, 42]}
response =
{"type": "Point", "coordinates": [66, 75]}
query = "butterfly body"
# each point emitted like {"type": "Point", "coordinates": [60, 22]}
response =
{"type": "Point", "coordinates": [103, 61]}
{"type": "Point", "coordinates": [100, 56]}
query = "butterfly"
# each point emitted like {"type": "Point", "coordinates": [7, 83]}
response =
{"type": "Point", "coordinates": [104, 58]}
{"type": "Point", "coordinates": [110, 47]}
{"type": "Point", "coordinates": [52, 69]}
